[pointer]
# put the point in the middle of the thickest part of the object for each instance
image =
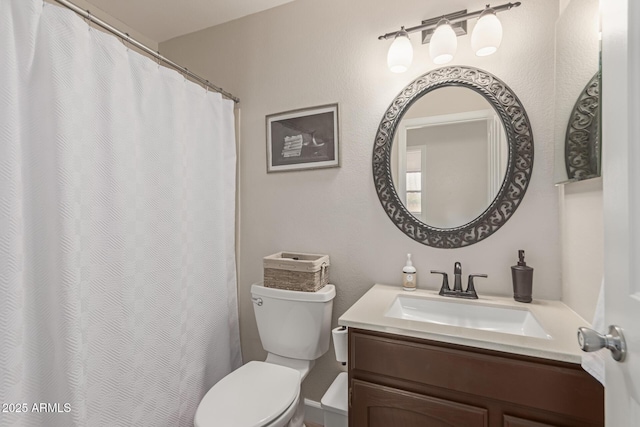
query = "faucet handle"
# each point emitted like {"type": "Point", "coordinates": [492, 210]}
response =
{"type": "Point", "coordinates": [471, 288]}
{"type": "Point", "coordinates": [445, 281]}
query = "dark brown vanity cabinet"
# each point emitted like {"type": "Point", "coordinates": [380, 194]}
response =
{"type": "Point", "coordinates": [397, 381]}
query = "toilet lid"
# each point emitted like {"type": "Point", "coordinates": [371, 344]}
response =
{"type": "Point", "coordinates": [251, 396]}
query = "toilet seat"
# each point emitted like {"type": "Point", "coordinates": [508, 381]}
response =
{"type": "Point", "coordinates": [257, 394]}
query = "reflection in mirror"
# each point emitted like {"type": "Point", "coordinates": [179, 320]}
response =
{"type": "Point", "coordinates": [577, 130]}
{"type": "Point", "coordinates": [449, 157]}
{"type": "Point", "coordinates": [582, 145]}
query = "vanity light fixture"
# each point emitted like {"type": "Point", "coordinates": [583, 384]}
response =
{"type": "Point", "coordinates": [441, 33]}
{"type": "Point", "coordinates": [444, 43]}
{"type": "Point", "coordinates": [400, 53]}
{"type": "Point", "coordinates": [487, 34]}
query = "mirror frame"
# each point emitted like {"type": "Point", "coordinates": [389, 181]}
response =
{"type": "Point", "coordinates": [519, 165]}
{"type": "Point", "coordinates": [582, 148]}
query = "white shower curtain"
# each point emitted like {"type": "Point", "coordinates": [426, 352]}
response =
{"type": "Point", "coordinates": [117, 270]}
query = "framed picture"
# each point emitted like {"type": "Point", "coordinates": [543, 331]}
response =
{"type": "Point", "coordinates": [303, 139]}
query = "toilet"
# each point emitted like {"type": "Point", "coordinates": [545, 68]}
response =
{"type": "Point", "coordinates": [294, 328]}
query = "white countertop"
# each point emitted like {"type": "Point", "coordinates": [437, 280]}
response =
{"type": "Point", "coordinates": [558, 320]}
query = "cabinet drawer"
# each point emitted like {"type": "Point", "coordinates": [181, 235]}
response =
{"type": "Point", "coordinates": [557, 387]}
{"type": "Point", "coordinates": [510, 421]}
{"type": "Point", "coordinates": [380, 406]}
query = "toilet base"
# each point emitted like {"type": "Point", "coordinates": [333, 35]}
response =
{"type": "Point", "coordinates": [298, 418]}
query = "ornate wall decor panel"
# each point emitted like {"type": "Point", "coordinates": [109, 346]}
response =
{"type": "Point", "coordinates": [518, 169]}
{"type": "Point", "coordinates": [582, 144]}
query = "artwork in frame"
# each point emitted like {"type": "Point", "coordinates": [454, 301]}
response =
{"type": "Point", "coordinates": [303, 139]}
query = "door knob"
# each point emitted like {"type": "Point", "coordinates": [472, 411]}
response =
{"type": "Point", "coordinates": [590, 340]}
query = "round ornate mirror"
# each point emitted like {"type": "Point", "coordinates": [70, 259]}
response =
{"type": "Point", "coordinates": [453, 157]}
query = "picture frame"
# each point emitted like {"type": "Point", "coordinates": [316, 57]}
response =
{"type": "Point", "coordinates": [300, 139]}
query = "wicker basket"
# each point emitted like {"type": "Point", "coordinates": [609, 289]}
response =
{"type": "Point", "coordinates": [296, 272]}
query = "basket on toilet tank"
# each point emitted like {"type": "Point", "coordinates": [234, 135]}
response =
{"type": "Point", "coordinates": [296, 271]}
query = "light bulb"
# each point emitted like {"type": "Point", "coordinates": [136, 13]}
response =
{"type": "Point", "coordinates": [443, 44]}
{"type": "Point", "coordinates": [487, 34]}
{"type": "Point", "coordinates": [400, 53]}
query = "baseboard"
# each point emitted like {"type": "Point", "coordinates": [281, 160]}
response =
{"type": "Point", "coordinates": [313, 412]}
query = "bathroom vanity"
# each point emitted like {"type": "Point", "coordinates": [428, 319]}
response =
{"type": "Point", "coordinates": [406, 371]}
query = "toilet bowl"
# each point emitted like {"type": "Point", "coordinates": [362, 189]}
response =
{"type": "Point", "coordinates": [258, 394]}
{"type": "Point", "coordinates": [294, 328]}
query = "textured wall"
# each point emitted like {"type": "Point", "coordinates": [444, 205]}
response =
{"type": "Point", "coordinates": [582, 245]}
{"type": "Point", "coordinates": [308, 53]}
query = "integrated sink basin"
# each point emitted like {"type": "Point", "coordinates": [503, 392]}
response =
{"type": "Point", "coordinates": [542, 329]}
{"type": "Point", "coordinates": [467, 315]}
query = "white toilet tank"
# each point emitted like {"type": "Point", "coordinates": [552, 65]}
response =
{"type": "Point", "coordinates": [294, 324]}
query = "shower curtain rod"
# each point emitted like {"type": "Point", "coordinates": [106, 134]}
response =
{"type": "Point", "coordinates": [125, 37]}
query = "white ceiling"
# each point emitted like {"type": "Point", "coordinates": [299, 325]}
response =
{"type": "Point", "coordinates": [161, 20]}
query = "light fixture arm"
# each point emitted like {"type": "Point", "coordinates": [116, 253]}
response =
{"type": "Point", "coordinates": [453, 18]}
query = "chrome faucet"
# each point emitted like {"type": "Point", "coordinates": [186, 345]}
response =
{"type": "Point", "coordinates": [457, 291]}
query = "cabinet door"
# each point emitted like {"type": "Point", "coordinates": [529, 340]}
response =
{"type": "Point", "coordinates": [378, 406]}
{"type": "Point", "coordinates": [511, 421]}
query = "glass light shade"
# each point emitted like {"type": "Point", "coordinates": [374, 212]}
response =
{"type": "Point", "coordinates": [443, 44]}
{"type": "Point", "coordinates": [486, 35]}
{"type": "Point", "coordinates": [400, 53]}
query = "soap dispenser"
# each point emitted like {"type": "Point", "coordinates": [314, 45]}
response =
{"type": "Point", "coordinates": [522, 276]}
{"type": "Point", "coordinates": [409, 276]}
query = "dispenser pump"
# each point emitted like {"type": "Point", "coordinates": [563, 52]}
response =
{"type": "Point", "coordinates": [522, 276]}
{"type": "Point", "coordinates": [409, 268]}
{"type": "Point", "coordinates": [521, 258]}
{"type": "Point", "coordinates": [409, 276]}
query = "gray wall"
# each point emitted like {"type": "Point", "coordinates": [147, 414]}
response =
{"type": "Point", "coordinates": [309, 53]}
{"type": "Point", "coordinates": [582, 226]}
